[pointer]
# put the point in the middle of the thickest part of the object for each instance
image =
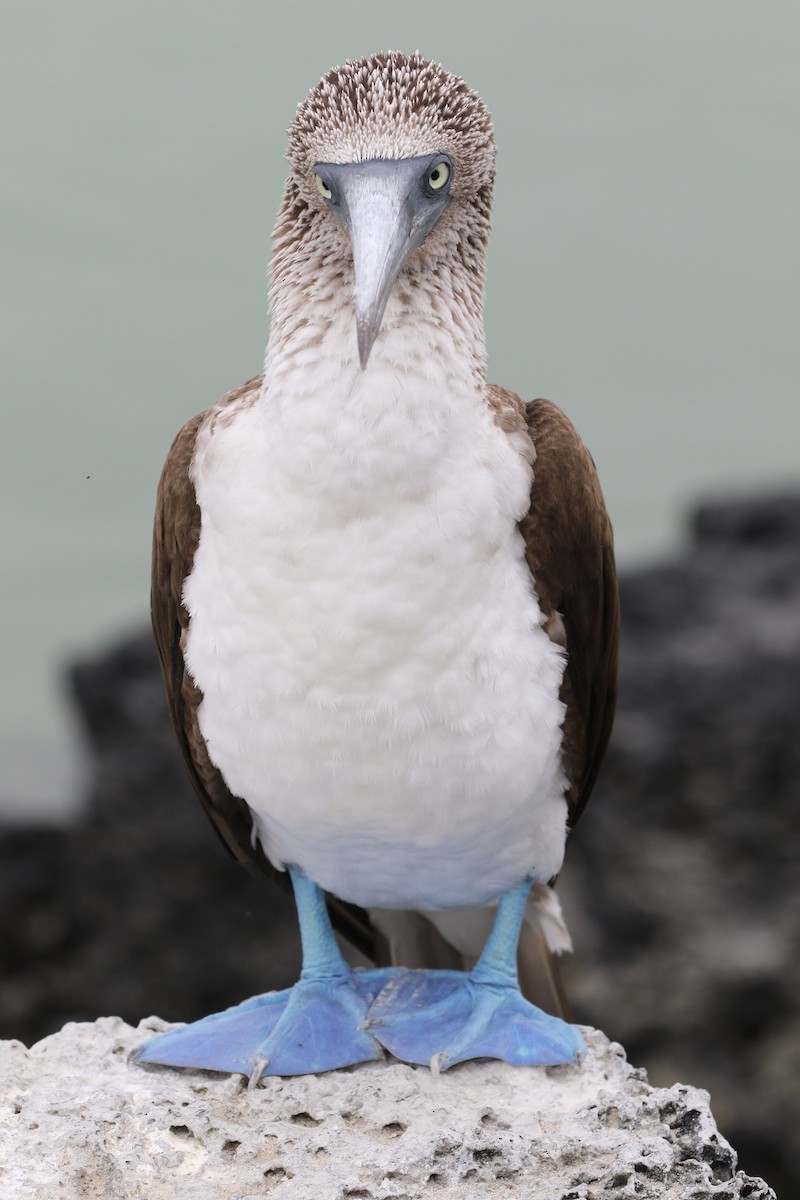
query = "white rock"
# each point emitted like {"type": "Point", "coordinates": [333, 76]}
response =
{"type": "Point", "coordinates": [78, 1121]}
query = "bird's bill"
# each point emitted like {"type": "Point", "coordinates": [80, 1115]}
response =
{"type": "Point", "coordinates": [386, 211]}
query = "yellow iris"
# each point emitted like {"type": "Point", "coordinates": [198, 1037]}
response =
{"type": "Point", "coordinates": [439, 176]}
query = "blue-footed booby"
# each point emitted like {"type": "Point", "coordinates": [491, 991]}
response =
{"type": "Point", "coordinates": [384, 596]}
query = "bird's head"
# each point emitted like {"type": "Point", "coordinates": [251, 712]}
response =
{"type": "Point", "coordinates": [392, 166]}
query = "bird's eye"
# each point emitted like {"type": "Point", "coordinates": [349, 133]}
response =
{"type": "Point", "coordinates": [438, 176]}
{"type": "Point", "coordinates": [323, 188]}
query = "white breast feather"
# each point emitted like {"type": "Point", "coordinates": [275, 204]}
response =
{"type": "Point", "coordinates": [377, 684]}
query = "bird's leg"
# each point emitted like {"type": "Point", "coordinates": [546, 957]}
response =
{"type": "Point", "coordinates": [322, 958]}
{"type": "Point", "coordinates": [446, 1017]}
{"type": "Point", "coordinates": [317, 1025]}
{"type": "Point", "coordinates": [497, 964]}
{"type": "Point", "coordinates": [321, 1026]}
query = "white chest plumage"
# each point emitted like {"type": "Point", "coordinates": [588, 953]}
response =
{"type": "Point", "coordinates": [377, 684]}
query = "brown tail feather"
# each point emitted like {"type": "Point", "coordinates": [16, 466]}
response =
{"type": "Point", "coordinates": [539, 974]}
{"type": "Point", "coordinates": [410, 939]}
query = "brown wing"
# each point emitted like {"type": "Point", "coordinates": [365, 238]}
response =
{"type": "Point", "coordinates": [570, 551]}
{"type": "Point", "coordinates": [176, 535]}
{"type": "Point", "coordinates": [175, 538]}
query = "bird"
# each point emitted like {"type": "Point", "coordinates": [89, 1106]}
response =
{"type": "Point", "coordinates": [384, 599]}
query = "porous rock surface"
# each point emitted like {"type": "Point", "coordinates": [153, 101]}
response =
{"type": "Point", "coordinates": [79, 1120]}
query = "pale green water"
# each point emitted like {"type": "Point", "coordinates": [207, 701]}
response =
{"type": "Point", "coordinates": [643, 271]}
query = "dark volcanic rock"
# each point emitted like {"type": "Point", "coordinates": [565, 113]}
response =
{"type": "Point", "coordinates": [682, 886]}
{"type": "Point", "coordinates": [138, 909]}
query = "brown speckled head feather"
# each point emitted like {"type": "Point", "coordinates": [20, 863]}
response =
{"type": "Point", "coordinates": [387, 106]}
{"type": "Point", "coordinates": [390, 106]}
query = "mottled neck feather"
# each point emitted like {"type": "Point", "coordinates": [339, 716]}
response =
{"type": "Point", "coordinates": [386, 106]}
{"type": "Point", "coordinates": [439, 294]}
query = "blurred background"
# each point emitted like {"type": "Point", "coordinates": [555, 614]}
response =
{"type": "Point", "coordinates": [643, 274]}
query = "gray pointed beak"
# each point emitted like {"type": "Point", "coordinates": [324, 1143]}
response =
{"type": "Point", "coordinates": [388, 210]}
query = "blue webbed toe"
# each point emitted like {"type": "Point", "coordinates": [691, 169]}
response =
{"type": "Point", "coordinates": [322, 1027]}
{"type": "Point", "coordinates": [446, 1017]}
{"type": "Point", "coordinates": [315, 1026]}
{"type": "Point", "coordinates": [226, 1041]}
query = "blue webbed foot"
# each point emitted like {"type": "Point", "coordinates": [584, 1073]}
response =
{"type": "Point", "coordinates": [315, 1026]}
{"type": "Point", "coordinates": [446, 1017]}
{"type": "Point", "coordinates": [318, 1025]}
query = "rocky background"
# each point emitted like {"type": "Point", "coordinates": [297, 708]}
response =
{"type": "Point", "coordinates": [682, 883]}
